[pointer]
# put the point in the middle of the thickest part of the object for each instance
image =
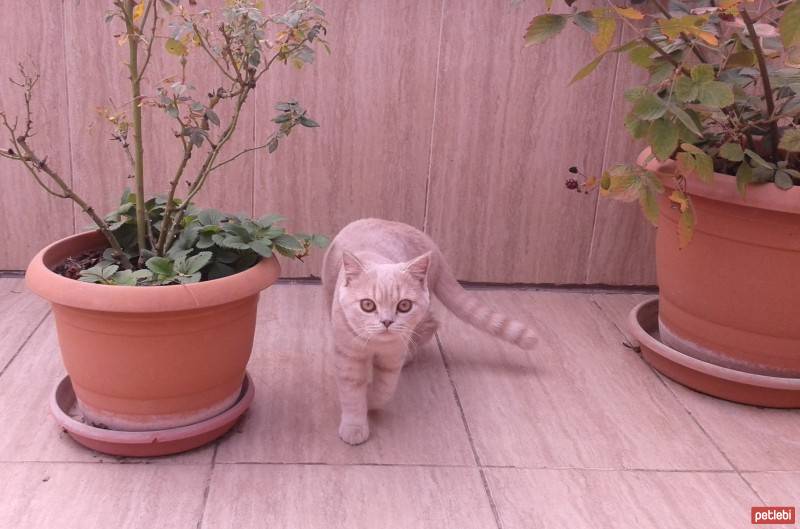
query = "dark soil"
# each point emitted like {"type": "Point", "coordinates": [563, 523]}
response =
{"type": "Point", "coordinates": [72, 266]}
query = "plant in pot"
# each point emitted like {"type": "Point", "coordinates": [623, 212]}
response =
{"type": "Point", "coordinates": [720, 177]}
{"type": "Point", "coordinates": [156, 308]}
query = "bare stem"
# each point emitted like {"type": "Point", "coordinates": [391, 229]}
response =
{"type": "Point", "coordinates": [762, 67]}
{"type": "Point", "coordinates": [138, 149]}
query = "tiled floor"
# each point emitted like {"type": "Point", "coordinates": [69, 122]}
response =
{"type": "Point", "coordinates": [580, 433]}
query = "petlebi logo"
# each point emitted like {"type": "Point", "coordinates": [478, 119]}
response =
{"type": "Point", "coordinates": [772, 515]}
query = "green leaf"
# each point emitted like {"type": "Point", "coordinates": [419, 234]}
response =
{"type": "Point", "coordinates": [585, 21]}
{"type": "Point", "coordinates": [288, 242]}
{"type": "Point", "coordinates": [196, 263]}
{"type": "Point", "coordinates": [789, 26]}
{"type": "Point", "coordinates": [109, 271]}
{"type": "Point", "coordinates": [320, 241]}
{"type": "Point", "coordinates": [649, 107]}
{"type": "Point", "coordinates": [732, 152]}
{"type": "Point", "coordinates": [640, 56]}
{"type": "Point", "coordinates": [783, 180]}
{"type": "Point", "coordinates": [308, 122]}
{"type": "Point", "coordinates": [744, 175]}
{"type": "Point", "coordinates": [715, 94]}
{"type": "Point", "coordinates": [262, 247]}
{"type": "Point", "coordinates": [544, 27]}
{"type": "Point", "coordinates": [663, 138]}
{"type": "Point", "coordinates": [686, 119]}
{"type": "Point", "coordinates": [790, 140]}
{"type": "Point", "coordinates": [759, 160]}
{"type": "Point", "coordinates": [161, 266]}
{"type": "Point", "coordinates": [703, 73]}
{"type": "Point", "coordinates": [269, 220]}
{"type": "Point", "coordinates": [686, 89]}
{"type": "Point", "coordinates": [589, 68]}
{"type": "Point", "coordinates": [219, 270]}
{"type": "Point", "coordinates": [637, 128]}
{"type": "Point", "coordinates": [209, 217]}
{"type": "Point", "coordinates": [704, 165]}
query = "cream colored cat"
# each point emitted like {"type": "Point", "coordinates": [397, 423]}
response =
{"type": "Point", "coordinates": [379, 277]}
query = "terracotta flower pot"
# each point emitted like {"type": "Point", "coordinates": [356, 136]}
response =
{"type": "Point", "coordinates": [732, 297]}
{"type": "Point", "coordinates": [151, 358]}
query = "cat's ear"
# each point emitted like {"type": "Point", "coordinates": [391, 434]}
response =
{"type": "Point", "coordinates": [352, 267]}
{"type": "Point", "coordinates": [418, 268]}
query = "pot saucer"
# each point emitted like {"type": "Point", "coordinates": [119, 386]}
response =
{"type": "Point", "coordinates": [150, 443]}
{"type": "Point", "coordinates": [712, 379]}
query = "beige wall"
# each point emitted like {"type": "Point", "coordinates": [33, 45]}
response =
{"type": "Point", "coordinates": [432, 113]}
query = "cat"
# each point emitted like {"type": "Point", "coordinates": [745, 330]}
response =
{"type": "Point", "coordinates": [379, 277]}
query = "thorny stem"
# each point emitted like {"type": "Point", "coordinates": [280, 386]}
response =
{"type": "Point", "coordinates": [170, 206]}
{"type": "Point", "coordinates": [138, 149]}
{"type": "Point", "coordinates": [152, 4]}
{"type": "Point", "coordinates": [762, 66]}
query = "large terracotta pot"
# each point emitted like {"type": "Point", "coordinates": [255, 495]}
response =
{"type": "Point", "coordinates": [151, 358]}
{"type": "Point", "coordinates": [732, 296]}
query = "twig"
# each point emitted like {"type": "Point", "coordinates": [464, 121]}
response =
{"type": "Point", "coordinates": [149, 51]}
{"type": "Point", "coordinates": [762, 67]}
{"type": "Point", "coordinates": [202, 42]}
{"type": "Point", "coordinates": [684, 36]}
{"type": "Point", "coordinates": [239, 154]}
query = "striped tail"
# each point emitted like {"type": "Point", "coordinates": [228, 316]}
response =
{"type": "Point", "coordinates": [471, 310]}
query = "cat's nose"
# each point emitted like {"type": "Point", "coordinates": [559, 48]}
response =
{"type": "Point", "coordinates": [386, 323]}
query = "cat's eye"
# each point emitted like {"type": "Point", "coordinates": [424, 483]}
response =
{"type": "Point", "coordinates": [404, 305]}
{"type": "Point", "coordinates": [367, 305]}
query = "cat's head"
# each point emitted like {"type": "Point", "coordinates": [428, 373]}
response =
{"type": "Point", "coordinates": [385, 301]}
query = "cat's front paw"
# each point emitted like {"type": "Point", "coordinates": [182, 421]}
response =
{"type": "Point", "coordinates": [354, 434]}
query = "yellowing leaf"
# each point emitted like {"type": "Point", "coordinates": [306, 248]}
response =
{"type": "Point", "coordinates": [686, 225]}
{"type": "Point", "coordinates": [680, 198]}
{"type": "Point", "coordinates": [175, 47]}
{"type": "Point", "coordinates": [707, 36]}
{"type": "Point", "coordinates": [673, 27]}
{"type": "Point", "coordinates": [138, 11]}
{"type": "Point", "coordinates": [606, 28]}
{"type": "Point", "coordinates": [629, 12]}
{"type": "Point", "coordinates": [789, 25]}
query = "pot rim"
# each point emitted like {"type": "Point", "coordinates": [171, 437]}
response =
{"type": "Point", "coordinates": [61, 290]}
{"type": "Point", "coordinates": [762, 196]}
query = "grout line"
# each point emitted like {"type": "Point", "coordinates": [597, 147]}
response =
{"type": "Point", "coordinates": [153, 462]}
{"type": "Point", "coordinates": [433, 123]}
{"type": "Point", "coordinates": [685, 408]}
{"type": "Point", "coordinates": [603, 160]}
{"type": "Point", "coordinates": [481, 470]}
{"type": "Point", "coordinates": [207, 490]}
{"type": "Point", "coordinates": [24, 343]}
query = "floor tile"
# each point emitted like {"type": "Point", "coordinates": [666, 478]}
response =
{"type": "Point", "coordinates": [295, 415]}
{"type": "Point", "coordinates": [776, 488]}
{"type": "Point", "coordinates": [21, 311]}
{"type": "Point", "coordinates": [753, 438]}
{"type": "Point", "coordinates": [310, 496]}
{"type": "Point", "coordinates": [578, 499]}
{"type": "Point", "coordinates": [580, 400]}
{"type": "Point", "coordinates": [29, 433]}
{"type": "Point", "coordinates": [81, 496]}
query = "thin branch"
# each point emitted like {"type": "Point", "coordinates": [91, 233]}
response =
{"type": "Point", "coordinates": [762, 67]}
{"type": "Point", "coordinates": [203, 45]}
{"type": "Point", "coordinates": [149, 51]}
{"type": "Point", "coordinates": [207, 165]}
{"type": "Point", "coordinates": [239, 154]}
